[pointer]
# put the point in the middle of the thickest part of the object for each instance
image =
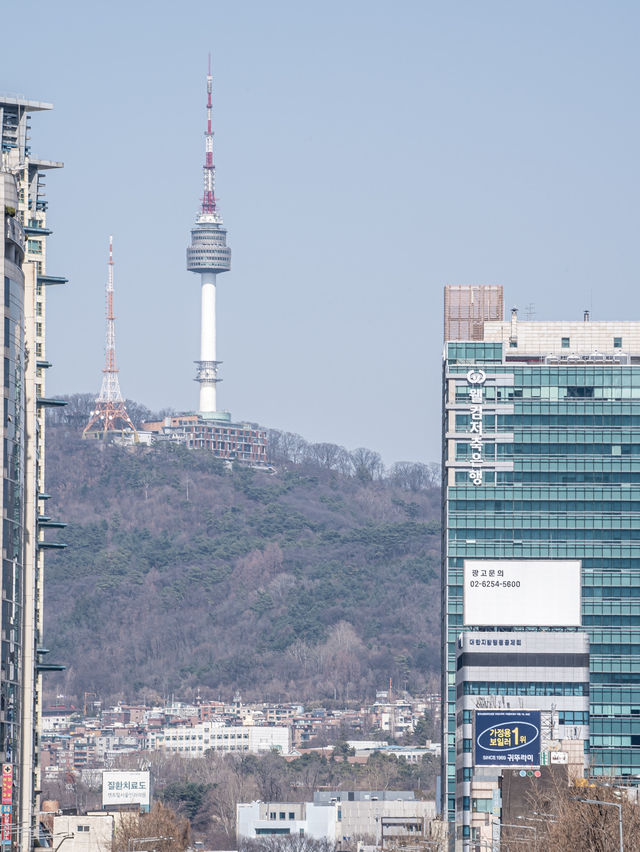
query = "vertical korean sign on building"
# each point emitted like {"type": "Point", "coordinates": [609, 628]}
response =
{"type": "Point", "coordinates": [476, 379]}
{"type": "Point", "coordinates": [7, 803]}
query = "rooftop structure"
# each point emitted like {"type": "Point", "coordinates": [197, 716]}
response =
{"type": "Point", "coordinates": [208, 255]}
{"type": "Point", "coordinates": [109, 417]}
{"type": "Point", "coordinates": [467, 308]}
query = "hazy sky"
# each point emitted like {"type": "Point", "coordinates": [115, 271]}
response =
{"type": "Point", "coordinates": [367, 154]}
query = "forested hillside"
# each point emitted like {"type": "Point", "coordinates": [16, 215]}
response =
{"type": "Point", "coordinates": [304, 583]}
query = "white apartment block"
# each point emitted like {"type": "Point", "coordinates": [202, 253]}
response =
{"type": "Point", "coordinates": [195, 740]}
{"type": "Point", "coordinates": [108, 746]}
{"type": "Point", "coordinates": [53, 722]}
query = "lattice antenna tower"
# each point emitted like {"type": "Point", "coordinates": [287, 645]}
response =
{"type": "Point", "coordinates": [110, 417]}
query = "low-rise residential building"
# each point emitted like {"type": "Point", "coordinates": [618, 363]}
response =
{"type": "Point", "coordinates": [277, 714]}
{"type": "Point", "coordinates": [57, 718]}
{"type": "Point", "coordinates": [396, 717]}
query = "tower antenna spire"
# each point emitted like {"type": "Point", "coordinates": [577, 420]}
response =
{"type": "Point", "coordinates": [209, 176]}
{"type": "Point", "coordinates": [110, 416]}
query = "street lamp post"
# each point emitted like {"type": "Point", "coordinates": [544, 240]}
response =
{"type": "Point", "coordinates": [609, 804]}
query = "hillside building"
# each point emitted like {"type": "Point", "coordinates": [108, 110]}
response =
{"type": "Point", "coordinates": [228, 441]}
{"type": "Point", "coordinates": [25, 282]}
{"type": "Point", "coordinates": [541, 461]}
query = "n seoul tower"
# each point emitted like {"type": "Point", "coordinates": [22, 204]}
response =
{"type": "Point", "coordinates": [208, 255]}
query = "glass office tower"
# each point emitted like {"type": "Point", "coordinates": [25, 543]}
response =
{"type": "Point", "coordinates": [541, 461]}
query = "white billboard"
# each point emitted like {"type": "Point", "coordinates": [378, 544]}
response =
{"type": "Point", "coordinates": [522, 593]}
{"type": "Point", "coordinates": [125, 788]}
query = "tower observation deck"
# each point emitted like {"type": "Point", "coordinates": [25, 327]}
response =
{"type": "Point", "coordinates": [208, 255]}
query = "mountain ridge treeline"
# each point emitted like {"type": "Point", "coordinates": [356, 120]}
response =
{"type": "Point", "coordinates": [318, 581]}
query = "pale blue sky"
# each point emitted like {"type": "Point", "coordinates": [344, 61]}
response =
{"type": "Point", "coordinates": [367, 153]}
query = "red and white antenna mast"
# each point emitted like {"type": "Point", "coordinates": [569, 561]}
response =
{"type": "Point", "coordinates": [209, 195]}
{"type": "Point", "coordinates": [110, 415]}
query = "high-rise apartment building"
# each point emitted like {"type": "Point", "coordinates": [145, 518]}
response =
{"type": "Point", "coordinates": [541, 460]}
{"type": "Point", "coordinates": [25, 280]}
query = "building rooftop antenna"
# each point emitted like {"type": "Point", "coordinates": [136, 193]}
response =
{"type": "Point", "coordinates": [110, 417]}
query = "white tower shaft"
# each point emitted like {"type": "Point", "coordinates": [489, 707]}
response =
{"type": "Point", "coordinates": [208, 357]}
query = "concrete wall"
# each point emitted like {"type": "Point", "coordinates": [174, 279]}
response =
{"type": "Point", "coordinates": [83, 833]}
{"type": "Point", "coordinates": [363, 818]}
